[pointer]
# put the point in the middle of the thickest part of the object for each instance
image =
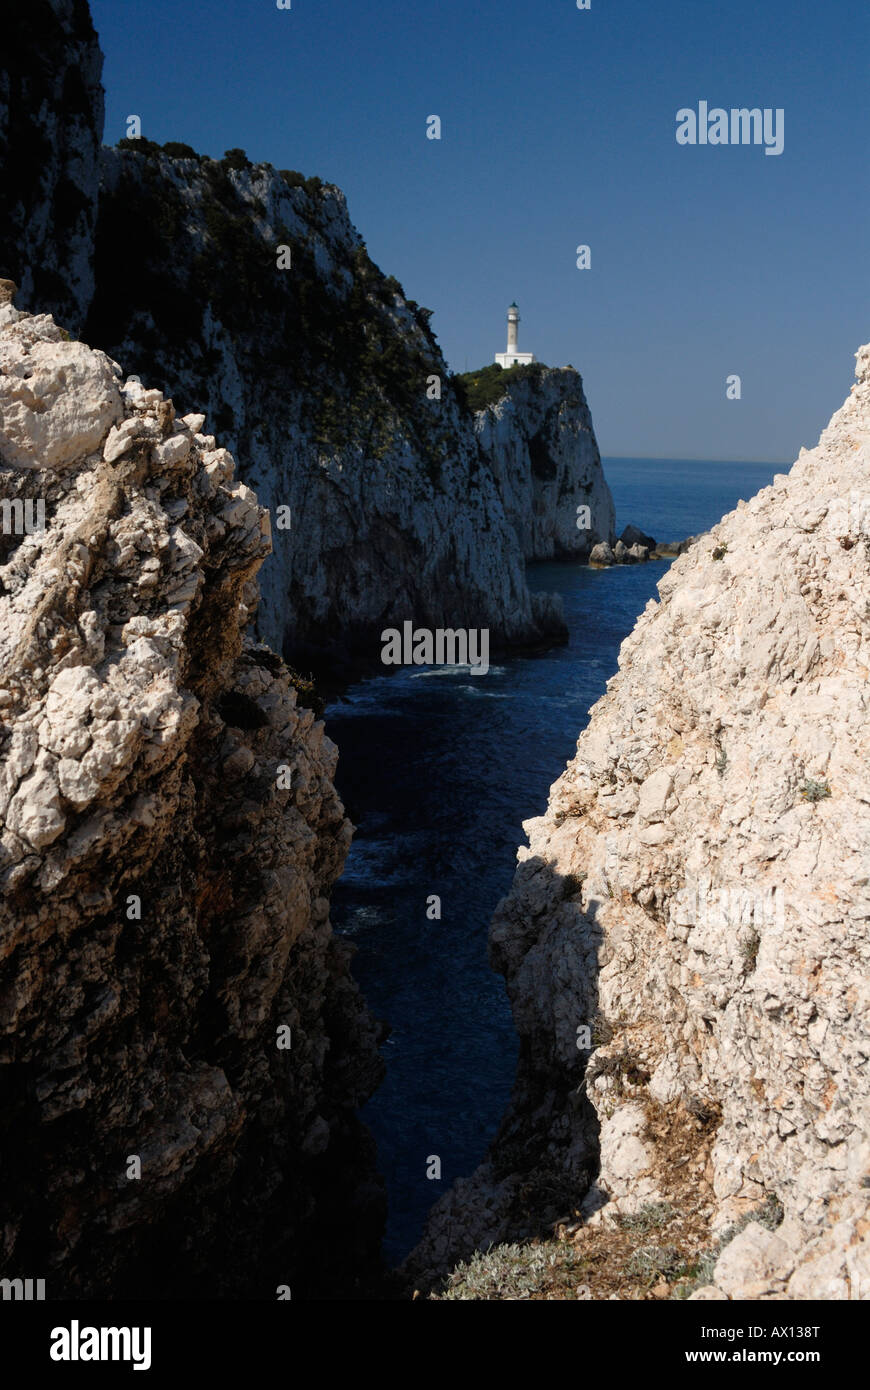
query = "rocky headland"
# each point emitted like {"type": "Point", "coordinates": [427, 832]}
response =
{"type": "Point", "coordinates": [535, 432]}
{"type": "Point", "coordinates": [245, 293]}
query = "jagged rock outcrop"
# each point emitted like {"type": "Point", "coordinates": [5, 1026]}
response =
{"type": "Point", "coordinates": [634, 547]}
{"type": "Point", "coordinates": [51, 125]}
{"type": "Point", "coordinates": [170, 835]}
{"type": "Point", "coordinates": [697, 895]}
{"type": "Point", "coordinates": [540, 445]}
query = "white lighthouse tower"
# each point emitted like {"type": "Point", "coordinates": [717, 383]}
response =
{"type": "Point", "coordinates": [512, 358]}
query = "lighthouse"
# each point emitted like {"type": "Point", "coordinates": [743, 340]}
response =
{"type": "Point", "coordinates": [512, 358]}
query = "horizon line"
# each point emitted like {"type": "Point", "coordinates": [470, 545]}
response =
{"type": "Point", "coordinates": [674, 458]}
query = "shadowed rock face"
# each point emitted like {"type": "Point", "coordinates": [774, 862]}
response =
{"type": "Point", "coordinates": [697, 896]}
{"type": "Point", "coordinates": [51, 125]}
{"type": "Point", "coordinates": [170, 835]}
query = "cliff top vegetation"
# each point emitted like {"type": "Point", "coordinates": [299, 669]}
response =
{"type": "Point", "coordinates": [204, 242]}
{"type": "Point", "coordinates": [488, 385]}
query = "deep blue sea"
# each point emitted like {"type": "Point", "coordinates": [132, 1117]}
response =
{"type": "Point", "coordinates": [438, 769]}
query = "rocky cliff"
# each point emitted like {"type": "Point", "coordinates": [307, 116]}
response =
{"type": "Point", "coordinates": [330, 386]}
{"type": "Point", "coordinates": [51, 125]}
{"type": "Point", "coordinates": [247, 294]}
{"type": "Point", "coordinates": [685, 944]}
{"type": "Point", "coordinates": [182, 1049]}
{"type": "Point", "coordinates": [540, 446]}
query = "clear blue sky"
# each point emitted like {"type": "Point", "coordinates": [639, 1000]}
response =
{"type": "Point", "coordinates": [559, 129]}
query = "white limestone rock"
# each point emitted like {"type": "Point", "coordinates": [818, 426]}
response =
{"type": "Point", "coordinates": [160, 898]}
{"type": "Point", "coordinates": [732, 979]}
{"type": "Point", "coordinates": [602, 554]}
{"type": "Point", "coordinates": [753, 1264]}
{"type": "Point", "coordinates": [57, 402]}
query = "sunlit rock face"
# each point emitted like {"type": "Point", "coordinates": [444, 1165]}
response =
{"type": "Point", "coordinates": [685, 944]}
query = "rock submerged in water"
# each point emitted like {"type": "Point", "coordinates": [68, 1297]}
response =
{"type": "Point", "coordinates": [632, 548]}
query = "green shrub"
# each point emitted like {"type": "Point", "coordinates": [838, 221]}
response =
{"type": "Point", "coordinates": [236, 159]}
{"type": "Point", "coordinates": [653, 1262]}
{"type": "Point", "coordinates": [505, 1273]}
{"type": "Point", "coordinates": [140, 145]}
{"type": "Point", "coordinates": [307, 694]}
{"type": "Point", "coordinates": [573, 883]}
{"type": "Point", "coordinates": [651, 1216]}
{"type": "Point", "coordinates": [699, 1273]}
{"type": "Point", "coordinates": [483, 388]}
{"type": "Point", "coordinates": [176, 149]}
{"type": "Point", "coordinates": [814, 791]}
{"type": "Point", "coordinates": [749, 950]}
{"type": "Point", "coordinates": [625, 1068]}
